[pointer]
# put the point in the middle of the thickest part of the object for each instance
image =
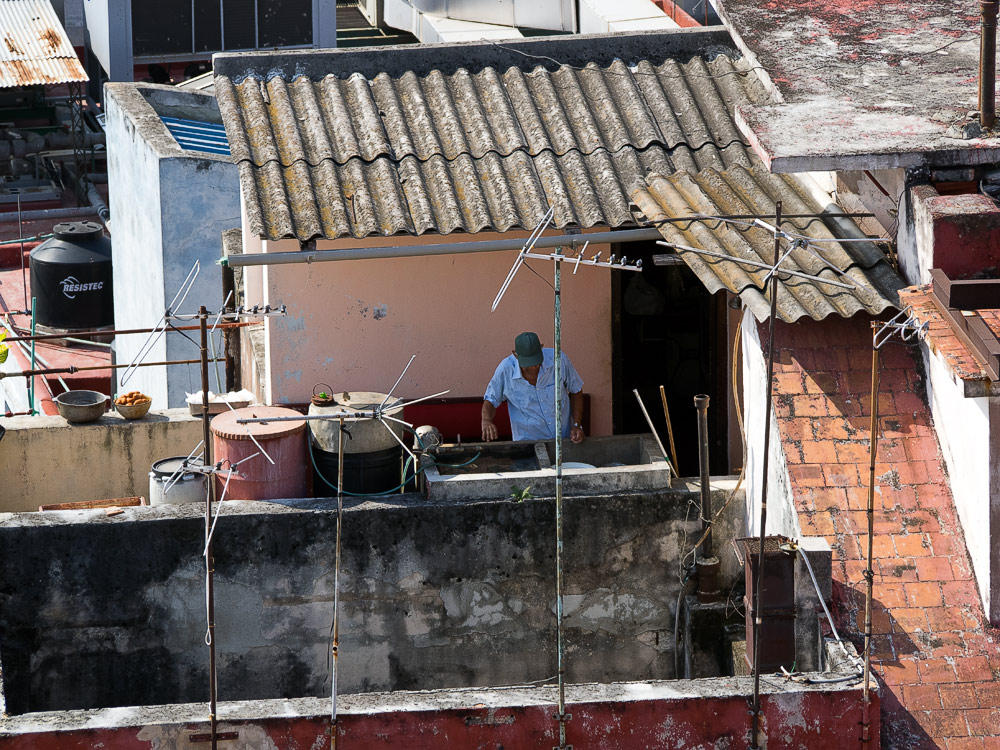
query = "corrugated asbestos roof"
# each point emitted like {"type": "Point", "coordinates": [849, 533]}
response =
{"type": "Point", "coordinates": [34, 48]}
{"type": "Point", "coordinates": [754, 191]}
{"type": "Point", "coordinates": [483, 147]}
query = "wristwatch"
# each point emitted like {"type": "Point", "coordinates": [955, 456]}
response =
{"type": "Point", "coordinates": [578, 425]}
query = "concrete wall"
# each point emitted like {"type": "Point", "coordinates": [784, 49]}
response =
{"type": "Point", "coordinates": [692, 714]}
{"type": "Point", "coordinates": [959, 234]}
{"type": "Point", "coordinates": [354, 324]}
{"type": "Point", "coordinates": [781, 515]}
{"type": "Point", "coordinates": [45, 460]}
{"type": "Point", "coordinates": [432, 595]}
{"type": "Point", "coordinates": [169, 208]}
{"type": "Point", "coordinates": [968, 430]}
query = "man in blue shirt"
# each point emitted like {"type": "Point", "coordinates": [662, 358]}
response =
{"type": "Point", "coordinates": [526, 381]}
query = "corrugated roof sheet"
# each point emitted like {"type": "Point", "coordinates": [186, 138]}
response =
{"type": "Point", "coordinates": [477, 148]}
{"type": "Point", "coordinates": [34, 48]}
{"type": "Point", "coordinates": [754, 191]}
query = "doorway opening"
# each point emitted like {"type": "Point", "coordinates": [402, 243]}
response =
{"type": "Point", "coordinates": [668, 330]}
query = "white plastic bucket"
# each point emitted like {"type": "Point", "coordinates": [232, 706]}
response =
{"type": "Point", "coordinates": [188, 487]}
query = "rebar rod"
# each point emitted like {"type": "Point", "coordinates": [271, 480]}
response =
{"type": "Point", "coordinates": [209, 544]}
{"type": "Point", "coordinates": [122, 332]}
{"type": "Point", "coordinates": [755, 710]}
{"type": "Point", "coordinates": [335, 646]}
{"type": "Point", "coordinates": [560, 645]}
{"type": "Point", "coordinates": [869, 574]}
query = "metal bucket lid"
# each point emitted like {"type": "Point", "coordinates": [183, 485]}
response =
{"type": "Point", "coordinates": [167, 467]}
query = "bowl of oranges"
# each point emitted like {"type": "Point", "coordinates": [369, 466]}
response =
{"type": "Point", "coordinates": [133, 405]}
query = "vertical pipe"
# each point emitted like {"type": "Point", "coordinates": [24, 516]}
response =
{"type": "Point", "coordinates": [209, 556]}
{"type": "Point", "coordinates": [20, 233]}
{"type": "Point", "coordinates": [31, 382]}
{"type": "Point", "coordinates": [701, 404]}
{"type": "Point", "coordinates": [755, 711]}
{"type": "Point", "coordinates": [987, 63]}
{"type": "Point", "coordinates": [869, 574]}
{"type": "Point", "coordinates": [560, 646]}
{"type": "Point", "coordinates": [335, 647]}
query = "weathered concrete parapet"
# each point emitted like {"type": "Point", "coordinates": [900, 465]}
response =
{"type": "Point", "coordinates": [433, 595]}
{"type": "Point", "coordinates": [627, 715]}
{"type": "Point", "coordinates": [46, 460]}
{"type": "Point", "coordinates": [959, 234]}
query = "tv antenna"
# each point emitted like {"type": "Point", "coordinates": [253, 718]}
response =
{"type": "Point", "coordinates": [576, 259]}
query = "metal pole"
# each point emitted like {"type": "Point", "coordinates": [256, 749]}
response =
{"type": "Point", "coordinates": [20, 233]}
{"type": "Point", "coordinates": [755, 710]}
{"type": "Point", "coordinates": [869, 574]}
{"type": "Point", "coordinates": [560, 646]}
{"type": "Point", "coordinates": [85, 368]}
{"type": "Point", "coordinates": [987, 63]}
{"type": "Point", "coordinates": [31, 365]}
{"type": "Point", "coordinates": [209, 498]}
{"type": "Point", "coordinates": [701, 404]}
{"type": "Point", "coordinates": [335, 647]}
{"type": "Point", "coordinates": [649, 422]}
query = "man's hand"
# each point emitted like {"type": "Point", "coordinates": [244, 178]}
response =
{"type": "Point", "coordinates": [576, 434]}
{"type": "Point", "coordinates": [489, 431]}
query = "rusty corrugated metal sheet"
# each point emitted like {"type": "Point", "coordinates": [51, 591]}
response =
{"type": "Point", "coordinates": [34, 48]}
{"type": "Point", "coordinates": [740, 190]}
{"type": "Point", "coordinates": [488, 148]}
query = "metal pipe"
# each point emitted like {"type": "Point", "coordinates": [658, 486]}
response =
{"type": "Point", "coordinates": [446, 248]}
{"type": "Point", "coordinates": [71, 212]}
{"type": "Point", "coordinates": [86, 368]}
{"type": "Point", "coordinates": [20, 233]}
{"type": "Point", "coordinates": [869, 574]}
{"type": "Point", "coordinates": [560, 644]}
{"type": "Point", "coordinates": [987, 63]}
{"type": "Point", "coordinates": [209, 543]}
{"type": "Point", "coordinates": [701, 404]}
{"type": "Point", "coordinates": [122, 332]}
{"type": "Point", "coordinates": [755, 710]}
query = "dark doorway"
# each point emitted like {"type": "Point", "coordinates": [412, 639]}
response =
{"type": "Point", "coordinates": [668, 330]}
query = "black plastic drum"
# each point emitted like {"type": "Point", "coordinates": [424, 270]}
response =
{"type": "Point", "coordinates": [71, 278]}
{"type": "Point", "coordinates": [368, 473]}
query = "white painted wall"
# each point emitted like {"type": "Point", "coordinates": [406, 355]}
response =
{"type": "Point", "coordinates": [782, 517]}
{"type": "Point", "coordinates": [963, 429]}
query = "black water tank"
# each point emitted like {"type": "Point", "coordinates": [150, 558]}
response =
{"type": "Point", "coordinates": [71, 278]}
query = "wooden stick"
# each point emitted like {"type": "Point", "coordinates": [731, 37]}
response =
{"type": "Point", "coordinates": [670, 428]}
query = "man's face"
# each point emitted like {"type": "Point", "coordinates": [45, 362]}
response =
{"type": "Point", "coordinates": [529, 373]}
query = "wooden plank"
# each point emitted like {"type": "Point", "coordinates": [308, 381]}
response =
{"type": "Point", "coordinates": [115, 502]}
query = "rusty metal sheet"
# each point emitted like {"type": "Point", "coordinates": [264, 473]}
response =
{"type": "Point", "coordinates": [739, 191]}
{"type": "Point", "coordinates": [482, 147]}
{"type": "Point", "coordinates": [34, 48]}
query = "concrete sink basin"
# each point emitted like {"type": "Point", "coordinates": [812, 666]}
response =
{"type": "Point", "coordinates": [484, 471]}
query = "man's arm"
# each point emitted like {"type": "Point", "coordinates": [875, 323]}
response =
{"type": "Point", "coordinates": [576, 433]}
{"type": "Point", "coordinates": [489, 429]}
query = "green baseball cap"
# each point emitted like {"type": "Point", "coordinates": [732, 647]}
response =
{"type": "Point", "coordinates": [528, 349]}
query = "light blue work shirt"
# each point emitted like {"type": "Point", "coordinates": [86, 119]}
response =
{"type": "Point", "coordinates": [533, 407]}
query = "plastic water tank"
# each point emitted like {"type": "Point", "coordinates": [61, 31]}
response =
{"type": "Point", "coordinates": [284, 442]}
{"type": "Point", "coordinates": [371, 455]}
{"type": "Point", "coordinates": [71, 278]}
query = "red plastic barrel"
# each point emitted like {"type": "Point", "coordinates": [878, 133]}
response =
{"type": "Point", "coordinates": [284, 442]}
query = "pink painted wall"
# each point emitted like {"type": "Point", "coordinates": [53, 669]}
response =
{"type": "Point", "coordinates": [354, 324]}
